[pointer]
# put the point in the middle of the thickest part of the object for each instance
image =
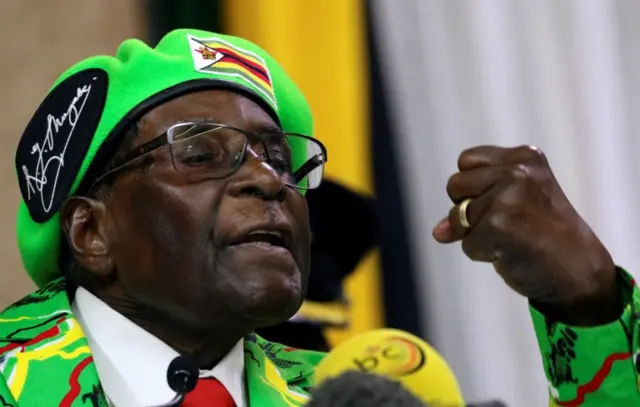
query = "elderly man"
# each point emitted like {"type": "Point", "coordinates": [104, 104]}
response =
{"type": "Point", "coordinates": [163, 214]}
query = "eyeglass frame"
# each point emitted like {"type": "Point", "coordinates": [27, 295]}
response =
{"type": "Point", "coordinates": [163, 140]}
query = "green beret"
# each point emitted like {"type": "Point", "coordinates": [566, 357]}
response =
{"type": "Point", "coordinates": [78, 126]}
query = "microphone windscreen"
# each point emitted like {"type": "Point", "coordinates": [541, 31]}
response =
{"type": "Point", "coordinates": [398, 356]}
{"type": "Point", "coordinates": [182, 374]}
{"type": "Point", "coordinates": [357, 389]}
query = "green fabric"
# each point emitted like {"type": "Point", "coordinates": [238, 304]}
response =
{"type": "Point", "coordinates": [593, 367]}
{"type": "Point", "coordinates": [45, 360]}
{"type": "Point", "coordinates": [136, 73]}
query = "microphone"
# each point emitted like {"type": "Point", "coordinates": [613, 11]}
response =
{"type": "Point", "coordinates": [358, 389]}
{"type": "Point", "coordinates": [182, 377]}
{"type": "Point", "coordinates": [401, 357]}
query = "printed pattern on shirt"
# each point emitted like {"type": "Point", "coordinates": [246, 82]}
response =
{"type": "Point", "coordinates": [45, 359]}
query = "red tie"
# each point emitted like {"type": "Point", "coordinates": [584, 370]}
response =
{"type": "Point", "coordinates": [209, 392]}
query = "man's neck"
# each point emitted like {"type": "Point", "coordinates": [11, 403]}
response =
{"type": "Point", "coordinates": [206, 347]}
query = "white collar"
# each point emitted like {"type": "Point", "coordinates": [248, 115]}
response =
{"type": "Point", "coordinates": [132, 363]}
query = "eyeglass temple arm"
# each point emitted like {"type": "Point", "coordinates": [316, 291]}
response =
{"type": "Point", "coordinates": [307, 167]}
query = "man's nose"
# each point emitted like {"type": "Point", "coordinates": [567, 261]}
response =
{"type": "Point", "coordinates": [257, 178]}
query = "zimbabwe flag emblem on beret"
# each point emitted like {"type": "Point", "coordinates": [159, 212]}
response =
{"type": "Point", "coordinates": [217, 56]}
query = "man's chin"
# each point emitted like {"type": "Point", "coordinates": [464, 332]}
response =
{"type": "Point", "coordinates": [270, 304]}
{"type": "Point", "coordinates": [263, 319]}
{"type": "Point", "coordinates": [269, 298]}
{"type": "Point", "coordinates": [261, 287]}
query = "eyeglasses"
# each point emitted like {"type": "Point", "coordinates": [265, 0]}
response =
{"type": "Point", "coordinates": [201, 151]}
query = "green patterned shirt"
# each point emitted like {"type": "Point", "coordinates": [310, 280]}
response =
{"type": "Point", "coordinates": [45, 359]}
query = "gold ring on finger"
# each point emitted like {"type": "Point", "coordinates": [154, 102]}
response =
{"type": "Point", "coordinates": [462, 213]}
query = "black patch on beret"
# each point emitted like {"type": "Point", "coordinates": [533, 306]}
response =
{"type": "Point", "coordinates": [56, 141]}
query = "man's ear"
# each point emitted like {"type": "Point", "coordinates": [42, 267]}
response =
{"type": "Point", "coordinates": [86, 225]}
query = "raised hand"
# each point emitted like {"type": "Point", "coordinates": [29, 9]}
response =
{"type": "Point", "coordinates": [510, 211]}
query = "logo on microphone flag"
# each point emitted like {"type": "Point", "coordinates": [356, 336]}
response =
{"type": "Point", "coordinates": [395, 355]}
{"type": "Point", "coordinates": [217, 56]}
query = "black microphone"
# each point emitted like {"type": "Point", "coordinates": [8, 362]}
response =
{"type": "Point", "coordinates": [358, 389]}
{"type": "Point", "coordinates": [182, 377]}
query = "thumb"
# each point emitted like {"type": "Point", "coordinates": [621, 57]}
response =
{"type": "Point", "coordinates": [443, 232]}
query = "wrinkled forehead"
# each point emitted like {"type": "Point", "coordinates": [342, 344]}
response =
{"type": "Point", "coordinates": [219, 106]}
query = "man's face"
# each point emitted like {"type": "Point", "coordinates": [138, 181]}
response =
{"type": "Point", "coordinates": [182, 248]}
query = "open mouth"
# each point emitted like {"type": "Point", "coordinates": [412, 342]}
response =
{"type": "Point", "coordinates": [262, 238]}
